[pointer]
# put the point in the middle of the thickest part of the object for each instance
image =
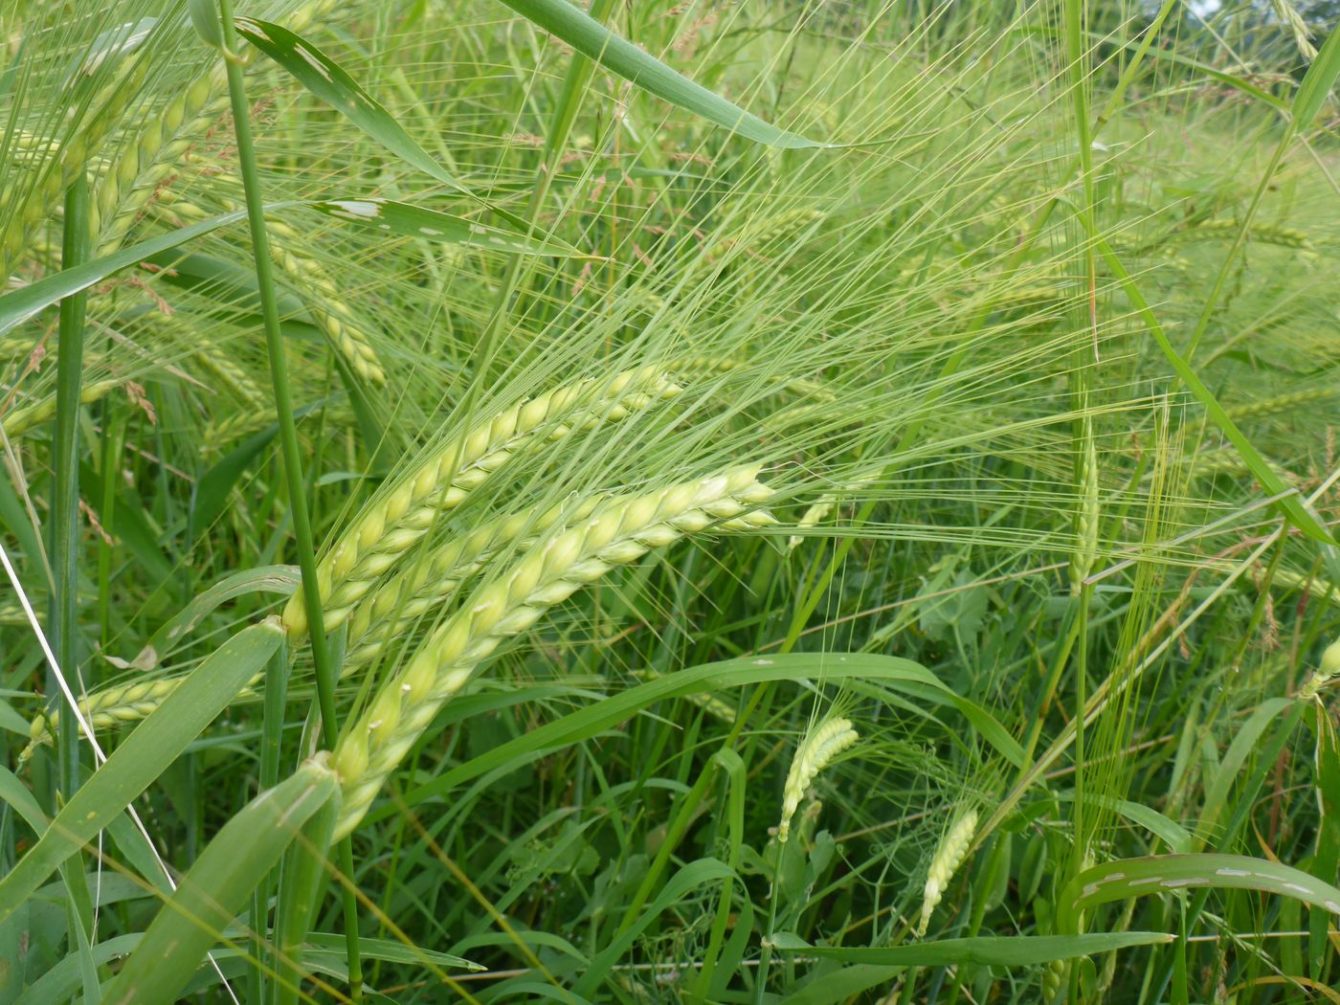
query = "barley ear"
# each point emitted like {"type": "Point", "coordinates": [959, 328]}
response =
{"type": "Point", "coordinates": [944, 863]}
{"type": "Point", "coordinates": [617, 533]}
{"type": "Point", "coordinates": [823, 743]}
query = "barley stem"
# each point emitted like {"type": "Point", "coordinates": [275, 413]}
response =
{"type": "Point", "coordinates": [288, 439]}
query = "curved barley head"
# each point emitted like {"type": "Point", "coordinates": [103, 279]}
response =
{"type": "Point", "coordinates": [823, 743]}
{"type": "Point", "coordinates": [616, 533]}
{"type": "Point", "coordinates": [944, 863]}
{"type": "Point", "coordinates": [389, 524]}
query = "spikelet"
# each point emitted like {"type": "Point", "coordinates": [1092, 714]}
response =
{"type": "Point", "coordinates": [615, 534]}
{"type": "Point", "coordinates": [389, 524]}
{"type": "Point", "coordinates": [823, 743]}
{"type": "Point", "coordinates": [20, 420]}
{"type": "Point", "coordinates": [944, 863]}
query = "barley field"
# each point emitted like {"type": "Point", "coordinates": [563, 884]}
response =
{"type": "Point", "coordinates": [779, 501]}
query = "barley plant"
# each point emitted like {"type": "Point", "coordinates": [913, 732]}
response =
{"type": "Point", "coordinates": [804, 501]}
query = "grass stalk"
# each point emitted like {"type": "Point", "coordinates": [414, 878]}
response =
{"type": "Point", "coordinates": [288, 440]}
{"type": "Point", "coordinates": [65, 474]}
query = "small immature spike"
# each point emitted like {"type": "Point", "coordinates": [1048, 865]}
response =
{"type": "Point", "coordinates": [823, 743]}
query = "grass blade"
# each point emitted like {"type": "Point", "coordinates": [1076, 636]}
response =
{"type": "Point", "coordinates": [144, 755]}
{"type": "Point", "coordinates": [222, 878]}
{"type": "Point", "coordinates": [589, 37]}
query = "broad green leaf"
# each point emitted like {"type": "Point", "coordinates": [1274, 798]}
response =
{"type": "Point", "coordinates": [589, 37]}
{"type": "Point", "coordinates": [63, 979]}
{"type": "Point", "coordinates": [391, 217]}
{"type": "Point", "coordinates": [210, 895]}
{"type": "Point", "coordinates": [326, 79]}
{"type": "Point", "coordinates": [1317, 83]}
{"type": "Point", "coordinates": [144, 755]}
{"type": "Point", "coordinates": [590, 721]}
{"type": "Point", "coordinates": [21, 304]}
{"type": "Point", "coordinates": [1138, 877]}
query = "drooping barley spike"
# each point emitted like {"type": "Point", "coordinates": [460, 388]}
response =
{"type": "Point", "coordinates": [403, 599]}
{"type": "Point", "coordinates": [618, 532]}
{"type": "Point", "coordinates": [1089, 514]}
{"type": "Point", "coordinates": [20, 420]}
{"type": "Point", "coordinates": [151, 160]}
{"type": "Point", "coordinates": [222, 368]}
{"type": "Point", "coordinates": [326, 303]}
{"type": "Point", "coordinates": [184, 331]}
{"type": "Point", "coordinates": [1281, 403]}
{"type": "Point", "coordinates": [823, 743]}
{"type": "Point", "coordinates": [390, 523]}
{"type": "Point", "coordinates": [73, 159]}
{"type": "Point", "coordinates": [1265, 233]}
{"type": "Point", "coordinates": [112, 706]}
{"type": "Point", "coordinates": [944, 863]}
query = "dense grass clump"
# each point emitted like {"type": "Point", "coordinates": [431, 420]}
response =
{"type": "Point", "coordinates": [770, 502]}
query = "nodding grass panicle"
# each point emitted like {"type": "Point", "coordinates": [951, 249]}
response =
{"type": "Point", "coordinates": [616, 533]}
{"type": "Point", "coordinates": [944, 863]}
{"type": "Point", "coordinates": [823, 743]}
{"type": "Point", "coordinates": [390, 523]}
